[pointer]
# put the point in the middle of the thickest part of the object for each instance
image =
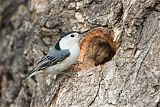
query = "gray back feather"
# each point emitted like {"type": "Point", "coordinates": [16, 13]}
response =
{"type": "Point", "coordinates": [53, 57]}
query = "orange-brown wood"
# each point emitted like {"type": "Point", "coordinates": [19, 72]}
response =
{"type": "Point", "coordinates": [97, 47]}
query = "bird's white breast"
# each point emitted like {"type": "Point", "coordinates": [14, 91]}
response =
{"type": "Point", "coordinates": [66, 63]}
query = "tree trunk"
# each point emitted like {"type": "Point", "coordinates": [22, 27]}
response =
{"type": "Point", "coordinates": [121, 53]}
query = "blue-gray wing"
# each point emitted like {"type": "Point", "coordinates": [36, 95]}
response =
{"type": "Point", "coordinates": [53, 57]}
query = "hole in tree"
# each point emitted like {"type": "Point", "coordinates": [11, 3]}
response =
{"type": "Point", "coordinates": [97, 47]}
{"type": "Point", "coordinates": [98, 52]}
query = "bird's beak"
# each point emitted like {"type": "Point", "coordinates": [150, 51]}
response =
{"type": "Point", "coordinates": [83, 33]}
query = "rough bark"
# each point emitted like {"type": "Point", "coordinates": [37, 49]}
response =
{"type": "Point", "coordinates": [131, 78]}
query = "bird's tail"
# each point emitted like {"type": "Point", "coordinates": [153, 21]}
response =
{"type": "Point", "coordinates": [29, 75]}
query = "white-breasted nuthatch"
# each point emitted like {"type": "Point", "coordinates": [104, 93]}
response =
{"type": "Point", "coordinates": [61, 56]}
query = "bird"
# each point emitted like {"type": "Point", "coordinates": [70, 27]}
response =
{"type": "Point", "coordinates": [61, 56]}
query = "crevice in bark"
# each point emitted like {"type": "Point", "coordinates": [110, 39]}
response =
{"type": "Point", "coordinates": [137, 67]}
{"type": "Point", "coordinates": [99, 85]}
{"type": "Point", "coordinates": [119, 15]}
{"type": "Point", "coordinates": [158, 104]}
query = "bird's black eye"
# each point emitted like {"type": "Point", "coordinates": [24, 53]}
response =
{"type": "Point", "coordinates": [72, 35]}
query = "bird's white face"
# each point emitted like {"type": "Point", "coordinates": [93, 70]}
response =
{"type": "Point", "coordinates": [70, 39]}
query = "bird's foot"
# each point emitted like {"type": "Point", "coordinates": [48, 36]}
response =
{"type": "Point", "coordinates": [66, 73]}
{"type": "Point", "coordinates": [78, 62]}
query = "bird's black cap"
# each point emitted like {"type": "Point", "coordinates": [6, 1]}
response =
{"type": "Point", "coordinates": [57, 44]}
